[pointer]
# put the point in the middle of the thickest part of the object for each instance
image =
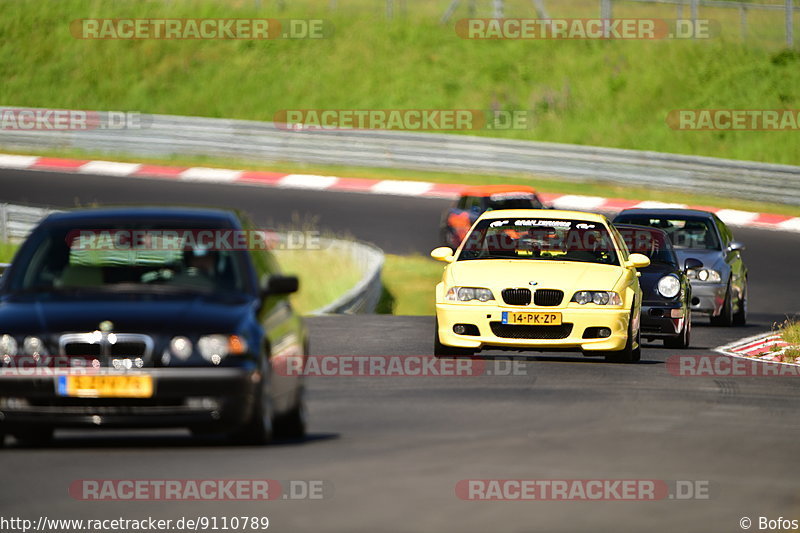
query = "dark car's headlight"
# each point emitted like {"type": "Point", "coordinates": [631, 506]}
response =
{"type": "Point", "coordinates": [704, 274]}
{"type": "Point", "coordinates": [215, 348]}
{"type": "Point", "coordinates": [669, 286]}
{"type": "Point", "coordinates": [8, 345]}
{"type": "Point", "coordinates": [180, 347]}
{"type": "Point", "coordinates": [597, 297]}
{"type": "Point", "coordinates": [33, 346]}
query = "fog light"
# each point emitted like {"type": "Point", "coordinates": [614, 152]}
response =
{"type": "Point", "coordinates": [604, 332]}
{"type": "Point", "coordinates": [459, 329]}
{"type": "Point", "coordinates": [204, 403]}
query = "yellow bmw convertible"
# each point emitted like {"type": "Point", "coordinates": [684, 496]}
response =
{"type": "Point", "coordinates": [533, 279]}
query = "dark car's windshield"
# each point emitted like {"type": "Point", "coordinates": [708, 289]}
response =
{"type": "Point", "coordinates": [650, 242]}
{"type": "Point", "coordinates": [514, 200]}
{"type": "Point", "coordinates": [686, 233]}
{"type": "Point", "coordinates": [141, 258]}
{"type": "Point", "coordinates": [540, 239]}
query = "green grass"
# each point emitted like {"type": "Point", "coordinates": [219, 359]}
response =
{"type": "Point", "coordinates": [610, 93]}
{"type": "Point", "coordinates": [7, 251]}
{"type": "Point", "coordinates": [324, 276]}
{"type": "Point", "coordinates": [790, 331]}
{"type": "Point", "coordinates": [543, 184]}
{"type": "Point", "coordinates": [409, 283]}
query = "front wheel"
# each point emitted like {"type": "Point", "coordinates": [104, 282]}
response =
{"type": "Point", "coordinates": [681, 342]}
{"type": "Point", "coordinates": [441, 350]}
{"type": "Point", "coordinates": [725, 317]}
{"type": "Point", "coordinates": [628, 354]}
{"type": "Point", "coordinates": [292, 425]}
{"type": "Point", "coordinates": [258, 428]}
{"type": "Point", "coordinates": [740, 317]}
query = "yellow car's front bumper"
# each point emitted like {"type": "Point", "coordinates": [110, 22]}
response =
{"type": "Point", "coordinates": [569, 336]}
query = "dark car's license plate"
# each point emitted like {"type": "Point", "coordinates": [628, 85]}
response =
{"type": "Point", "coordinates": [106, 386]}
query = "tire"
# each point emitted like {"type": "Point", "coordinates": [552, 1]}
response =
{"type": "Point", "coordinates": [292, 425]}
{"type": "Point", "coordinates": [258, 429]}
{"type": "Point", "coordinates": [628, 354]}
{"type": "Point", "coordinates": [681, 342]}
{"type": "Point", "coordinates": [740, 316]}
{"type": "Point", "coordinates": [725, 317]}
{"type": "Point", "coordinates": [440, 350]}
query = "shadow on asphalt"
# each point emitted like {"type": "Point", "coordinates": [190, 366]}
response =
{"type": "Point", "coordinates": [142, 441]}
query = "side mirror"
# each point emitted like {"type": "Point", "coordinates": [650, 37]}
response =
{"type": "Point", "coordinates": [692, 264]}
{"type": "Point", "coordinates": [736, 246]}
{"type": "Point", "coordinates": [637, 261]}
{"type": "Point", "coordinates": [443, 253]}
{"type": "Point", "coordinates": [278, 284]}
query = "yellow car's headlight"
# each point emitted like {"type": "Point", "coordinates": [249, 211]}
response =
{"type": "Point", "coordinates": [466, 294]}
{"type": "Point", "coordinates": [597, 298]}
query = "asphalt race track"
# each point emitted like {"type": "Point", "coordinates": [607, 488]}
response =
{"type": "Point", "coordinates": [391, 450]}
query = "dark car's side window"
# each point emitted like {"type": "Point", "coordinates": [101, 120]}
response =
{"type": "Point", "coordinates": [462, 202]}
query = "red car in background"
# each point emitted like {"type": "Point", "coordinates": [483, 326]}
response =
{"type": "Point", "coordinates": [473, 201]}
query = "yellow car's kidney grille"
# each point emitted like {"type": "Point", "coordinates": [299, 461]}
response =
{"type": "Point", "coordinates": [510, 331]}
{"type": "Point", "coordinates": [548, 297]}
{"type": "Point", "coordinates": [517, 296]}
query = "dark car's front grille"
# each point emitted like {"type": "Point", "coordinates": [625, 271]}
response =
{"type": "Point", "coordinates": [111, 345]}
{"type": "Point", "coordinates": [511, 331]}
{"type": "Point", "coordinates": [548, 297]}
{"type": "Point", "coordinates": [81, 349]}
{"type": "Point", "coordinates": [517, 296]}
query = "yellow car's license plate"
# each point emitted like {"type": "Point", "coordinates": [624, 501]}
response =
{"type": "Point", "coordinates": [106, 386]}
{"type": "Point", "coordinates": [533, 319]}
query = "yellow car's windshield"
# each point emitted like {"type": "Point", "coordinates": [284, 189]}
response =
{"type": "Point", "coordinates": [540, 239]}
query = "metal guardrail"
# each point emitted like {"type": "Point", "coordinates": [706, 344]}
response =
{"type": "Point", "coordinates": [166, 135]}
{"type": "Point", "coordinates": [19, 220]}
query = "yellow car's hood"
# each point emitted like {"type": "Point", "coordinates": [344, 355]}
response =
{"type": "Point", "coordinates": [502, 273]}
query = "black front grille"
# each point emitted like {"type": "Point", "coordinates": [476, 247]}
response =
{"type": "Point", "coordinates": [85, 349]}
{"type": "Point", "coordinates": [548, 297]}
{"type": "Point", "coordinates": [517, 296]}
{"type": "Point", "coordinates": [511, 331]}
{"type": "Point", "coordinates": [128, 349]}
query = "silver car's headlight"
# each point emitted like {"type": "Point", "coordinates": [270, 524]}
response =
{"type": "Point", "coordinates": [669, 286]}
{"type": "Point", "coordinates": [705, 274]}
{"type": "Point", "coordinates": [215, 348]}
{"type": "Point", "coordinates": [466, 294]}
{"type": "Point", "coordinates": [597, 298]}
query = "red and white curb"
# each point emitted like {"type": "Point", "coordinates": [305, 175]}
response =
{"type": "Point", "coordinates": [765, 347]}
{"type": "Point", "coordinates": [420, 189]}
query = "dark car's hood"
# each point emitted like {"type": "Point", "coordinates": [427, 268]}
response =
{"type": "Point", "coordinates": [710, 258]}
{"type": "Point", "coordinates": [170, 316]}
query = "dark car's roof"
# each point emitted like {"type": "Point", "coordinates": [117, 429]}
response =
{"type": "Point", "coordinates": [142, 214]}
{"type": "Point", "coordinates": [666, 212]}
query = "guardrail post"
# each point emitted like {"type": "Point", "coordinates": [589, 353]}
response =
{"type": "Point", "coordinates": [497, 6]}
{"type": "Point", "coordinates": [743, 21]}
{"type": "Point", "coordinates": [694, 14]}
{"type": "Point", "coordinates": [3, 222]}
{"type": "Point", "coordinates": [541, 10]}
{"type": "Point", "coordinates": [606, 14]}
{"type": "Point", "coordinates": [789, 23]}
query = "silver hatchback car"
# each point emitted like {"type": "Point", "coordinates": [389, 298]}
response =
{"type": "Point", "coordinates": [719, 288]}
